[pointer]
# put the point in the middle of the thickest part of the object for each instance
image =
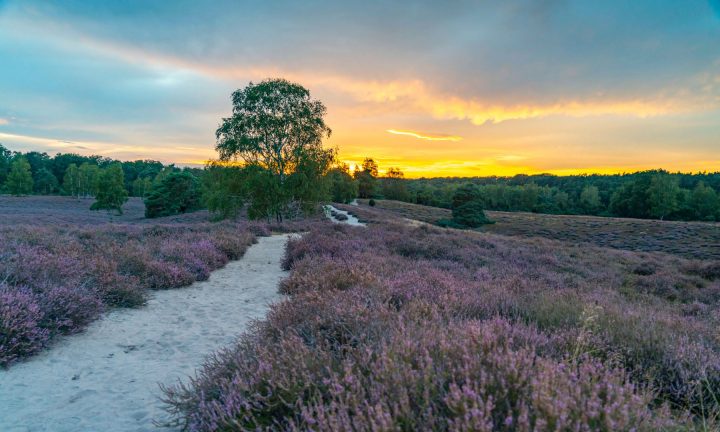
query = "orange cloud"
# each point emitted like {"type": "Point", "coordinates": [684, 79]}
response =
{"type": "Point", "coordinates": [425, 136]}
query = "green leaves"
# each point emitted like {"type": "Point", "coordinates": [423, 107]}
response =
{"type": "Point", "coordinates": [276, 131]}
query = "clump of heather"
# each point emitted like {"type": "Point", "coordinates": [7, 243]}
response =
{"type": "Point", "coordinates": [20, 330]}
{"type": "Point", "coordinates": [56, 280]}
{"type": "Point", "coordinates": [392, 327]}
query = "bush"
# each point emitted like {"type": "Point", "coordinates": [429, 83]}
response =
{"type": "Point", "coordinates": [371, 203]}
{"type": "Point", "coordinates": [470, 215]}
{"type": "Point", "coordinates": [178, 192]}
{"type": "Point", "coordinates": [20, 330]}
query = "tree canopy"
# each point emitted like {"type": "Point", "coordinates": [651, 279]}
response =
{"type": "Point", "coordinates": [179, 192]}
{"type": "Point", "coordinates": [20, 181]}
{"type": "Point", "coordinates": [276, 132]}
{"type": "Point", "coordinates": [111, 192]}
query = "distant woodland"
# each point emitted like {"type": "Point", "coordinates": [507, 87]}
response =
{"type": "Point", "coordinates": [654, 194]}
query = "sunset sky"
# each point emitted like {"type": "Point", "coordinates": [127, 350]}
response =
{"type": "Point", "coordinates": [437, 88]}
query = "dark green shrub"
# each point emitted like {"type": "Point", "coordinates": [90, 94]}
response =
{"type": "Point", "coordinates": [371, 203]}
{"type": "Point", "coordinates": [470, 214]}
{"type": "Point", "coordinates": [177, 193]}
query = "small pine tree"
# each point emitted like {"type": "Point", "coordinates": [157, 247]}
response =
{"type": "Point", "coordinates": [20, 181]}
{"type": "Point", "coordinates": [178, 192]}
{"type": "Point", "coordinates": [111, 192]}
{"type": "Point", "coordinates": [470, 214]}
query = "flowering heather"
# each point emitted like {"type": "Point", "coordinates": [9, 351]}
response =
{"type": "Point", "coordinates": [57, 280]}
{"type": "Point", "coordinates": [392, 327]}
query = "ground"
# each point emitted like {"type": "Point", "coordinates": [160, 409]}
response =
{"type": "Point", "coordinates": [700, 240]}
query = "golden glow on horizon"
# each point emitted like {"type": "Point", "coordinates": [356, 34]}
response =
{"type": "Point", "coordinates": [361, 108]}
{"type": "Point", "coordinates": [424, 136]}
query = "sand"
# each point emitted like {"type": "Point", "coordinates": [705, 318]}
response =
{"type": "Point", "coordinates": [106, 378]}
{"type": "Point", "coordinates": [351, 220]}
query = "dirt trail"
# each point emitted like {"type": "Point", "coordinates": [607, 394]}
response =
{"type": "Point", "coordinates": [106, 378]}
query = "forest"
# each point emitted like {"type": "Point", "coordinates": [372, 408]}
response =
{"type": "Point", "coordinates": [226, 188]}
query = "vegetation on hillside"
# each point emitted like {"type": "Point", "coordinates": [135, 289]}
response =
{"type": "Point", "coordinates": [654, 194]}
{"type": "Point", "coordinates": [404, 328]}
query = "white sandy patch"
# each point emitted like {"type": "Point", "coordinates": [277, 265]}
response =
{"type": "Point", "coordinates": [351, 220]}
{"type": "Point", "coordinates": [106, 378]}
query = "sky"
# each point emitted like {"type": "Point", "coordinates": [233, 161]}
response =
{"type": "Point", "coordinates": [436, 88]}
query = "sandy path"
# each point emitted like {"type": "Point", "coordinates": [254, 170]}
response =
{"type": "Point", "coordinates": [351, 220]}
{"type": "Point", "coordinates": [106, 378]}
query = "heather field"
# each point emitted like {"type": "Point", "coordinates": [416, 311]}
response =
{"type": "Point", "coordinates": [62, 266]}
{"type": "Point", "coordinates": [396, 326]}
{"type": "Point", "coordinates": [699, 240]}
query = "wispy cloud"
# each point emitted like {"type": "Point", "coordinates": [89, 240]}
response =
{"type": "Point", "coordinates": [4, 121]}
{"type": "Point", "coordinates": [425, 136]}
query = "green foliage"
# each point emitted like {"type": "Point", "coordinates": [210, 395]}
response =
{"type": "Point", "coordinates": [5, 162]}
{"type": "Point", "coordinates": [88, 178]}
{"type": "Point", "coordinates": [46, 182]}
{"type": "Point", "coordinates": [111, 192]}
{"type": "Point", "coordinates": [663, 195]}
{"type": "Point", "coordinates": [467, 208]}
{"type": "Point", "coordinates": [71, 180]}
{"type": "Point", "coordinates": [394, 186]}
{"type": "Point", "coordinates": [343, 188]}
{"type": "Point", "coordinates": [371, 203]}
{"type": "Point", "coordinates": [141, 187]}
{"type": "Point", "coordinates": [19, 181]}
{"type": "Point", "coordinates": [705, 203]}
{"type": "Point", "coordinates": [590, 199]}
{"type": "Point", "coordinates": [366, 178]}
{"type": "Point", "coordinates": [276, 130]}
{"type": "Point", "coordinates": [178, 192]}
{"type": "Point", "coordinates": [224, 190]}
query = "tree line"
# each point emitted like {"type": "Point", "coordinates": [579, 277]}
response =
{"type": "Point", "coordinates": [653, 194]}
{"type": "Point", "coordinates": [272, 164]}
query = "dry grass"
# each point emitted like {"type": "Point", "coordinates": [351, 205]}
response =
{"type": "Point", "coordinates": [699, 240]}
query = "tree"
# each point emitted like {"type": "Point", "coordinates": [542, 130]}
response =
{"type": "Point", "coordinates": [71, 181]}
{"type": "Point", "coordinates": [111, 192]}
{"type": "Point", "coordinates": [20, 181]}
{"type": "Point", "coordinates": [177, 193]}
{"type": "Point", "coordinates": [663, 195]}
{"type": "Point", "coordinates": [224, 189]}
{"type": "Point", "coordinates": [465, 194]}
{"type": "Point", "coordinates": [366, 178]}
{"type": "Point", "coordinates": [467, 208]}
{"type": "Point", "coordinates": [276, 126]}
{"type": "Point", "coordinates": [704, 202]}
{"type": "Point", "coordinates": [88, 177]}
{"type": "Point", "coordinates": [470, 214]}
{"type": "Point", "coordinates": [141, 186]}
{"type": "Point", "coordinates": [590, 199]}
{"type": "Point", "coordinates": [46, 182]}
{"type": "Point", "coordinates": [343, 188]}
{"type": "Point", "coordinates": [393, 185]}
{"type": "Point", "coordinates": [5, 162]}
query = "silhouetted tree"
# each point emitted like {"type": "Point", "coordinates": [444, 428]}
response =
{"type": "Point", "coordinates": [366, 178]}
{"type": "Point", "coordinates": [343, 188]}
{"type": "Point", "coordinates": [393, 185]}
